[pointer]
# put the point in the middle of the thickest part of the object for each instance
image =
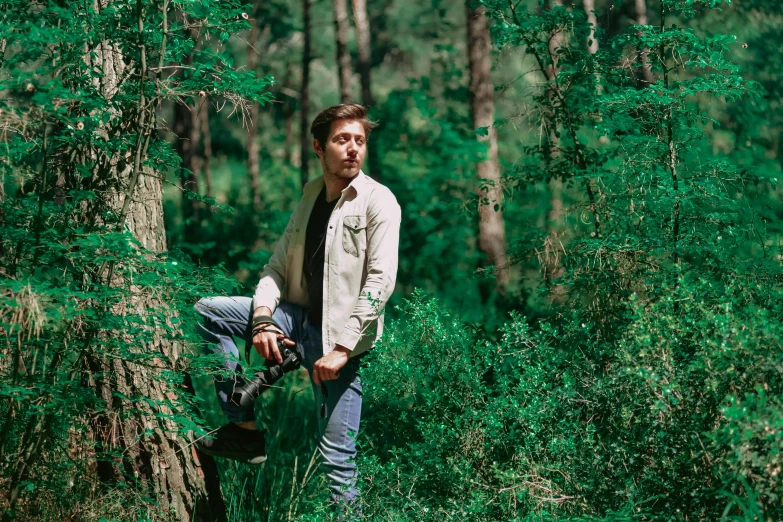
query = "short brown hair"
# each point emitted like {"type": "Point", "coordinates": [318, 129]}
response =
{"type": "Point", "coordinates": [322, 123]}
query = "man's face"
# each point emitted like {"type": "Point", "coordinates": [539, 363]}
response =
{"type": "Point", "coordinates": [343, 153]}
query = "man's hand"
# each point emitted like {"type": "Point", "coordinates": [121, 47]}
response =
{"type": "Point", "coordinates": [327, 368]}
{"type": "Point", "coordinates": [265, 343]}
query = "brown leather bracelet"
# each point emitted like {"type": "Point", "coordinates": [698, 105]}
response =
{"type": "Point", "coordinates": [258, 327]}
{"type": "Point", "coordinates": [263, 319]}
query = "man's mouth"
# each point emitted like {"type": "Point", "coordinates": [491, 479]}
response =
{"type": "Point", "coordinates": [351, 161]}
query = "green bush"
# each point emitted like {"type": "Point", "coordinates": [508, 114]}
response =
{"type": "Point", "coordinates": [554, 422]}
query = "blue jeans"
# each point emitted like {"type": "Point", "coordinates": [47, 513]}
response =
{"type": "Point", "coordinates": [228, 317]}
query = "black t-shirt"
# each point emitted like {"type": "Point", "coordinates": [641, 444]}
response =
{"type": "Point", "coordinates": [315, 240]}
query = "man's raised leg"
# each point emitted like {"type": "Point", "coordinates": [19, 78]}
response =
{"type": "Point", "coordinates": [224, 319]}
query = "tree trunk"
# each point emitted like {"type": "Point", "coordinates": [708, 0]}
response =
{"type": "Point", "coordinates": [592, 46]}
{"type": "Point", "coordinates": [304, 100]}
{"type": "Point", "coordinates": [644, 55]}
{"type": "Point", "coordinates": [552, 261]}
{"type": "Point", "coordinates": [206, 147]}
{"type": "Point", "coordinates": [289, 115]}
{"type": "Point", "coordinates": [153, 456]}
{"type": "Point", "coordinates": [135, 423]}
{"type": "Point", "coordinates": [592, 43]}
{"type": "Point", "coordinates": [184, 129]}
{"type": "Point", "coordinates": [362, 22]}
{"type": "Point", "coordinates": [343, 58]}
{"type": "Point", "coordinates": [555, 43]}
{"type": "Point", "coordinates": [253, 150]}
{"type": "Point", "coordinates": [492, 232]}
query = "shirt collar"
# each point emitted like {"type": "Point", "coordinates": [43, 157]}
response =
{"type": "Point", "coordinates": [358, 183]}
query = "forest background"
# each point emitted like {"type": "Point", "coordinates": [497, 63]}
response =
{"type": "Point", "coordinates": [587, 318]}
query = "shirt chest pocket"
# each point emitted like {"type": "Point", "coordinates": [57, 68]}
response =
{"type": "Point", "coordinates": [354, 234]}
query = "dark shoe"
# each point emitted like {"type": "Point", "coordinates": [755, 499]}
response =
{"type": "Point", "coordinates": [233, 442]}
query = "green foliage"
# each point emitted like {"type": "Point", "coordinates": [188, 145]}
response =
{"type": "Point", "coordinates": [634, 370]}
{"type": "Point", "coordinates": [554, 421]}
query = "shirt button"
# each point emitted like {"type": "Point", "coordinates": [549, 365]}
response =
{"type": "Point", "coordinates": [330, 226]}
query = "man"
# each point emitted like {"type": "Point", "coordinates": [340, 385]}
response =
{"type": "Point", "coordinates": [324, 288]}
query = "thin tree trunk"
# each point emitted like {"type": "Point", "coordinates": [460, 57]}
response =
{"type": "Point", "coordinates": [671, 157]}
{"type": "Point", "coordinates": [492, 230]}
{"type": "Point", "coordinates": [343, 58]}
{"type": "Point", "coordinates": [552, 261]}
{"type": "Point", "coordinates": [362, 22]}
{"type": "Point", "coordinates": [184, 129]}
{"type": "Point", "coordinates": [555, 43]}
{"type": "Point", "coordinates": [196, 133]}
{"type": "Point", "coordinates": [289, 112]}
{"type": "Point", "coordinates": [592, 42]}
{"type": "Point", "coordinates": [304, 100]}
{"type": "Point", "coordinates": [592, 48]}
{"type": "Point", "coordinates": [206, 150]}
{"type": "Point", "coordinates": [253, 150]}
{"type": "Point", "coordinates": [641, 19]}
{"type": "Point", "coordinates": [558, 105]}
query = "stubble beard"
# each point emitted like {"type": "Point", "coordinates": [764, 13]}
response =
{"type": "Point", "coordinates": [345, 173]}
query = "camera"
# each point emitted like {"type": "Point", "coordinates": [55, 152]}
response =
{"type": "Point", "coordinates": [247, 394]}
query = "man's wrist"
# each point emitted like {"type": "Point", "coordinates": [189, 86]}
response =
{"type": "Point", "coordinates": [262, 310]}
{"type": "Point", "coordinates": [342, 349]}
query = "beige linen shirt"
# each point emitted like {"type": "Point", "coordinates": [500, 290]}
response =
{"type": "Point", "coordinates": [360, 263]}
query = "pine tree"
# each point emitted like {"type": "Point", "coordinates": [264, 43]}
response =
{"type": "Point", "coordinates": [107, 374]}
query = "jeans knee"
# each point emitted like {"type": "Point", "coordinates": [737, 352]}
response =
{"type": "Point", "coordinates": [201, 306]}
{"type": "Point", "coordinates": [203, 325]}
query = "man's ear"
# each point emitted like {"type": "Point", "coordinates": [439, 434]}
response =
{"type": "Point", "coordinates": [317, 148]}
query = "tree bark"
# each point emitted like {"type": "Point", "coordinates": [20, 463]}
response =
{"type": "Point", "coordinates": [343, 58]}
{"type": "Point", "coordinates": [492, 231]}
{"type": "Point", "coordinates": [206, 147]}
{"type": "Point", "coordinates": [304, 100]}
{"type": "Point", "coordinates": [363, 39]}
{"type": "Point", "coordinates": [644, 55]}
{"type": "Point", "coordinates": [152, 454]}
